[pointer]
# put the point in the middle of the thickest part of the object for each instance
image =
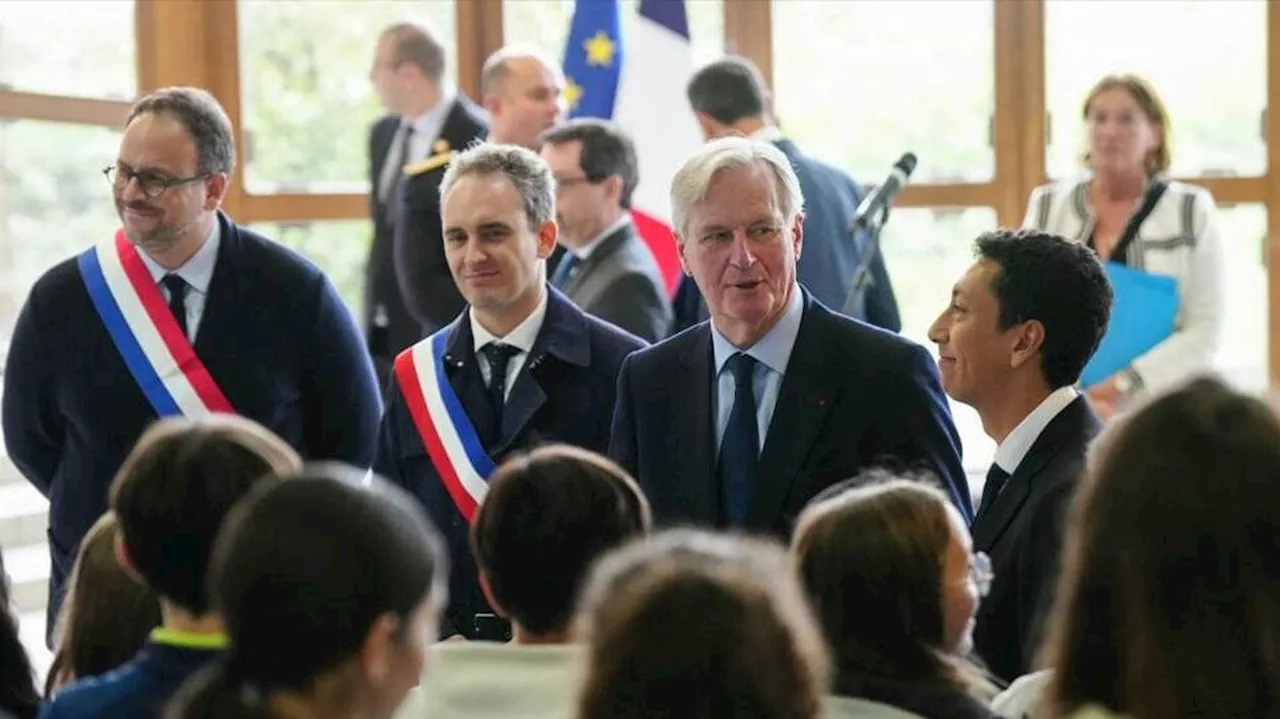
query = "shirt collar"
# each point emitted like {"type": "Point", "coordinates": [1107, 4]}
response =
{"type": "Point", "coordinates": [582, 253]}
{"type": "Point", "coordinates": [521, 337]}
{"type": "Point", "coordinates": [1014, 448]}
{"type": "Point", "coordinates": [428, 124]}
{"type": "Point", "coordinates": [198, 270]}
{"type": "Point", "coordinates": [774, 349]}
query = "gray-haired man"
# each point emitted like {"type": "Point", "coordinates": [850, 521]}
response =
{"type": "Point", "coordinates": [740, 420]}
{"type": "Point", "coordinates": [520, 366]}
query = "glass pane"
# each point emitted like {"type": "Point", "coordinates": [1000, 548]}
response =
{"type": "Point", "coordinates": [860, 83]}
{"type": "Point", "coordinates": [339, 247]}
{"type": "Point", "coordinates": [56, 202]}
{"type": "Point", "coordinates": [84, 48]}
{"type": "Point", "coordinates": [306, 97]}
{"type": "Point", "coordinates": [1207, 59]}
{"type": "Point", "coordinates": [544, 25]}
{"type": "Point", "coordinates": [926, 251]}
{"type": "Point", "coordinates": [1243, 357]}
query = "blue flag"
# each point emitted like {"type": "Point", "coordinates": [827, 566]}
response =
{"type": "Point", "coordinates": [593, 58]}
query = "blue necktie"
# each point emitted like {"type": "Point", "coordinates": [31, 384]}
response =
{"type": "Point", "coordinates": [740, 446]}
{"type": "Point", "coordinates": [499, 357]}
{"type": "Point", "coordinates": [563, 270]}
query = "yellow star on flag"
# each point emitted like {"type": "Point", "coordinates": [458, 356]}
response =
{"type": "Point", "coordinates": [600, 50]}
{"type": "Point", "coordinates": [572, 93]}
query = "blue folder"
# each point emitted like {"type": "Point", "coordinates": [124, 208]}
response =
{"type": "Point", "coordinates": [1142, 316]}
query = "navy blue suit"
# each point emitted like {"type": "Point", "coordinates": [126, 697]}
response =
{"type": "Point", "coordinates": [274, 335]}
{"type": "Point", "coordinates": [830, 256]}
{"type": "Point", "coordinates": [853, 397]}
{"type": "Point", "coordinates": [563, 393]}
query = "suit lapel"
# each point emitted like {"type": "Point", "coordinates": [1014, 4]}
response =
{"type": "Point", "coordinates": [803, 403]}
{"type": "Point", "coordinates": [1073, 426]}
{"type": "Point", "coordinates": [563, 336]}
{"type": "Point", "coordinates": [219, 313]}
{"type": "Point", "coordinates": [607, 246]}
{"type": "Point", "coordinates": [694, 433]}
{"type": "Point", "coordinates": [463, 369]}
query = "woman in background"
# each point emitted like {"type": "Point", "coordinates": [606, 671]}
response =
{"type": "Point", "coordinates": [1169, 603]}
{"type": "Point", "coordinates": [107, 615]}
{"type": "Point", "coordinates": [1127, 160]}
{"type": "Point", "coordinates": [890, 571]}
{"type": "Point", "coordinates": [330, 591]}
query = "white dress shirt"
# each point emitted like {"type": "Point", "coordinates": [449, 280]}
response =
{"type": "Point", "coordinates": [426, 128]}
{"type": "Point", "coordinates": [584, 252]}
{"type": "Point", "coordinates": [197, 271]}
{"type": "Point", "coordinates": [521, 338]}
{"type": "Point", "coordinates": [772, 354]}
{"type": "Point", "coordinates": [1014, 448]}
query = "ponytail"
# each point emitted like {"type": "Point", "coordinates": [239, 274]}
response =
{"type": "Point", "coordinates": [219, 692]}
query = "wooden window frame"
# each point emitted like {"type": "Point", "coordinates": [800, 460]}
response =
{"type": "Point", "coordinates": [189, 42]}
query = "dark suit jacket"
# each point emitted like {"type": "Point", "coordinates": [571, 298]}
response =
{"type": "Point", "coordinates": [620, 283]}
{"type": "Point", "coordinates": [418, 249]}
{"type": "Point", "coordinates": [830, 255]}
{"type": "Point", "coordinates": [1022, 533]}
{"type": "Point", "coordinates": [380, 287]}
{"type": "Point", "coordinates": [854, 396]}
{"type": "Point", "coordinates": [564, 393]}
{"type": "Point", "coordinates": [275, 336]}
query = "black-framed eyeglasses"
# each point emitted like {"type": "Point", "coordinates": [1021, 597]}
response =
{"type": "Point", "coordinates": [981, 574]}
{"type": "Point", "coordinates": [150, 183]}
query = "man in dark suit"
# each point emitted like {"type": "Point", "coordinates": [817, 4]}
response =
{"type": "Point", "coordinates": [519, 367]}
{"type": "Point", "coordinates": [250, 328]}
{"type": "Point", "coordinates": [739, 421]}
{"type": "Point", "coordinates": [608, 270]}
{"type": "Point", "coordinates": [1022, 323]}
{"type": "Point", "coordinates": [408, 291]}
{"type": "Point", "coordinates": [729, 98]}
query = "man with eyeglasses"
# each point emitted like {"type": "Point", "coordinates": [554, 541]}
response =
{"type": "Point", "coordinates": [1021, 325]}
{"type": "Point", "coordinates": [182, 312]}
{"type": "Point", "coordinates": [607, 270]}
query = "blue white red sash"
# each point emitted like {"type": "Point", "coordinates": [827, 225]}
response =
{"type": "Point", "coordinates": [156, 351]}
{"type": "Point", "coordinates": [447, 433]}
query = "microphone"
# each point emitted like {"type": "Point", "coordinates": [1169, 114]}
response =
{"type": "Point", "coordinates": [874, 209]}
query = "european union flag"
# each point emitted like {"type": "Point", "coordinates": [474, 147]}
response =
{"type": "Point", "coordinates": [593, 58]}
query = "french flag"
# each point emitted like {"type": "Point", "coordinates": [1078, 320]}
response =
{"type": "Point", "coordinates": [643, 90]}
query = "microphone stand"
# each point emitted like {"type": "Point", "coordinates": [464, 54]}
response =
{"type": "Point", "coordinates": [854, 304]}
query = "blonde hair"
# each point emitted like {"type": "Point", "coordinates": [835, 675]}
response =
{"type": "Point", "coordinates": [1143, 93]}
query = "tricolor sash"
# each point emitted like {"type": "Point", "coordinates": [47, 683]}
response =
{"type": "Point", "coordinates": [154, 348]}
{"type": "Point", "coordinates": [446, 431]}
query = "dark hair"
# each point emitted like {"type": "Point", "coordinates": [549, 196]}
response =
{"type": "Point", "coordinates": [1143, 93]}
{"type": "Point", "coordinates": [606, 151]}
{"type": "Point", "coordinates": [202, 116]}
{"type": "Point", "coordinates": [175, 488]}
{"type": "Point", "coordinates": [419, 45]}
{"type": "Point", "coordinates": [18, 694]}
{"type": "Point", "coordinates": [696, 624]}
{"type": "Point", "coordinates": [107, 615]}
{"type": "Point", "coordinates": [1056, 282]}
{"type": "Point", "coordinates": [872, 562]}
{"type": "Point", "coordinates": [729, 89]}
{"type": "Point", "coordinates": [548, 515]}
{"type": "Point", "coordinates": [302, 573]}
{"type": "Point", "coordinates": [1169, 602]}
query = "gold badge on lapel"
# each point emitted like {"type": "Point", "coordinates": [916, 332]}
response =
{"type": "Point", "coordinates": [440, 146]}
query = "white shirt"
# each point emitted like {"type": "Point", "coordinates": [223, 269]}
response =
{"type": "Point", "coordinates": [1014, 448]}
{"type": "Point", "coordinates": [197, 271]}
{"type": "Point", "coordinates": [521, 338]}
{"type": "Point", "coordinates": [426, 128]}
{"type": "Point", "coordinates": [768, 133]}
{"type": "Point", "coordinates": [584, 252]}
{"type": "Point", "coordinates": [488, 680]}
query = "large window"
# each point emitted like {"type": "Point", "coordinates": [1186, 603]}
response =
{"type": "Point", "coordinates": [860, 83]}
{"type": "Point", "coordinates": [1243, 357]}
{"type": "Point", "coordinates": [544, 24]}
{"type": "Point", "coordinates": [84, 48]}
{"type": "Point", "coordinates": [54, 202]}
{"type": "Point", "coordinates": [306, 100]}
{"type": "Point", "coordinates": [1207, 59]}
